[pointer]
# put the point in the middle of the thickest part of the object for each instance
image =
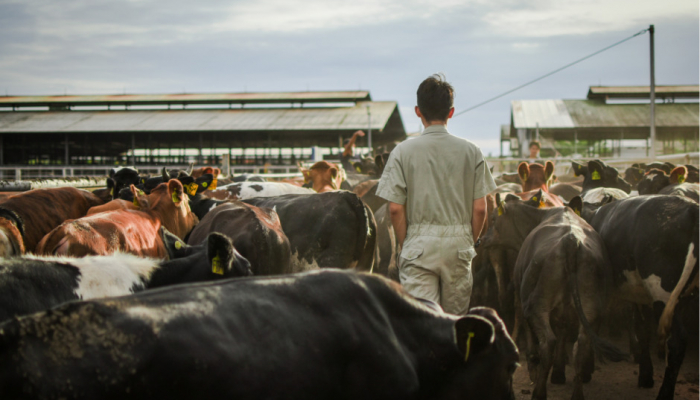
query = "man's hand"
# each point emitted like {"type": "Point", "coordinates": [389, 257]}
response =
{"type": "Point", "coordinates": [358, 133]}
{"type": "Point", "coordinates": [478, 217]}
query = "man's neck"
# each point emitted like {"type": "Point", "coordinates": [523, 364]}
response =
{"type": "Point", "coordinates": [433, 123]}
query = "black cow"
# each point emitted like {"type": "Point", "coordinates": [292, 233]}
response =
{"type": "Point", "coordinates": [658, 182]}
{"type": "Point", "coordinates": [317, 335]}
{"type": "Point", "coordinates": [652, 242]}
{"type": "Point", "coordinates": [387, 248]}
{"type": "Point", "coordinates": [123, 177]}
{"type": "Point", "coordinates": [32, 283]}
{"type": "Point", "coordinates": [597, 174]}
{"type": "Point", "coordinates": [561, 271]}
{"type": "Point", "coordinates": [256, 233]}
{"type": "Point", "coordinates": [325, 230]}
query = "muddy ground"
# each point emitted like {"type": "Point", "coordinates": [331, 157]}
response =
{"type": "Point", "coordinates": [617, 381]}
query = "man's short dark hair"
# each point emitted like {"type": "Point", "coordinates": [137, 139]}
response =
{"type": "Point", "coordinates": [534, 143]}
{"type": "Point", "coordinates": [435, 98]}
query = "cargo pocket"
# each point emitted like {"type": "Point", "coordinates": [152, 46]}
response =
{"type": "Point", "coordinates": [466, 255]}
{"type": "Point", "coordinates": [411, 254]}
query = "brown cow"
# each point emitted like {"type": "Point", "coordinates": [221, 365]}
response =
{"type": "Point", "coordinates": [255, 232]}
{"type": "Point", "coordinates": [325, 176]}
{"type": "Point", "coordinates": [129, 231]}
{"type": "Point", "coordinates": [26, 218]}
{"type": "Point", "coordinates": [196, 173]}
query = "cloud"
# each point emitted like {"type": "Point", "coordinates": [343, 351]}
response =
{"type": "Point", "coordinates": [544, 18]}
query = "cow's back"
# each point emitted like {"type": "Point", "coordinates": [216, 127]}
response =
{"type": "Point", "coordinates": [42, 210]}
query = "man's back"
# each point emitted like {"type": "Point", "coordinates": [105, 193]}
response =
{"type": "Point", "coordinates": [439, 172]}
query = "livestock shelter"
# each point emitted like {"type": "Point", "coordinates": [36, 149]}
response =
{"type": "Point", "coordinates": [251, 128]}
{"type": "Point", "coordinates": [609, 115]}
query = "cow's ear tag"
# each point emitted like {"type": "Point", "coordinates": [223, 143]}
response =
{"type": "Point", "coordinates": [500, 209]}
{"type": "Point", "coordinates": [136, 202]}
{"type": "Point", "coordinates": [178, 245]}
{"type": "Point", "coordinates": [525, 177]}
{"type": "Point", "coordinates": [213, 184]}
{"type": "Point", "coordinates": [204, 184]}
{"type": "Point", "coordinates": [578, 212]}
{"type": "Point", "coordinates": [542, 203]}
{"type": "Point", "coordinates": [681, 179]}
{"type": "Point", "coordinates": [534, 198]}
{"type": "Point", "coordinates": [192, 188]}
{"type": "Point", "coordinates": [111, 192]}
{"type": "Point", "coordinates": [469, 343]}
{"type": "Point", "coordinates": [176, 198]}
{"type": "Point", "coordinates": [216, 265]}
{"type": "Point", "coordinates": [595, 176]}
{"type": "Point", "coordinates": [358, 169]}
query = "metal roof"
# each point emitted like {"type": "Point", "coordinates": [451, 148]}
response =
{"type": "Point", "coordinates": [642, 92]}
{"type": "Point", "coordinates": [600, 120]}
{"type": "Point", "coordinates": [185, 98]}
{"type": "Point", "coordinates": [231, 120]}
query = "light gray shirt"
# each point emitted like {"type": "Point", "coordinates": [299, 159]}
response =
{"type": "Point", "coordinates": [438, 176]}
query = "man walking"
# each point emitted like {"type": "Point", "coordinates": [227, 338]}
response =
{"type": "Point", "coordinates": [435, 185]}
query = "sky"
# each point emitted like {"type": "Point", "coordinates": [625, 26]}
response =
{"type": "Point", "coordinates": [484, 47]}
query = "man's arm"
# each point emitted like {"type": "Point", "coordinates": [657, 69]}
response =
{"type": "Point", "coordinates": [398, 220]}
{"type": "Point", "coordinates": [478, 217]}
{"type": "Point", "coordinates": [351, 143]}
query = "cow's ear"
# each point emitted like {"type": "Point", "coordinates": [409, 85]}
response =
{"type": "Point", "coordinates": [220, 253]}
{"type": "Point", "coordinates": [678, 175]}
{"type": "Point", "coordinates": [306, 173]}
{"type": "Point", "coordinates": [596, 170]}
{"type": "Point", "coordinates": [548, 170]}
{"type": "Point", "coordinates": [512, 197]}
{"type": "Point", "coordinates": [110, 186]}
{"type": "Point", "coordinates": [576, 204]}
{"type": "Point", "coordinates": [14, 218]}
{"type": "Point", "coordinates": [334, 176]}
{"type": "Point", "coordinates": [473, 334]}
{"type": "Point", "coordinates": [579, 169]}
{"type": "Point", "coordinates": [176, 191]}
{"type": "Point", "coordinates": [537, 200]}
{"type": "Point", "coordinates": [175, 247]}
{"type": "Point", "coordinates": [135, 193]}
{"type": "Point", "coordinates": [523, 171]}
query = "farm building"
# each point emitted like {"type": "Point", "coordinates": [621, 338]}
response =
{"type": "Point", "coordinates": [251, 128]}
{"type": "Point", "coordinates": [609, 116]}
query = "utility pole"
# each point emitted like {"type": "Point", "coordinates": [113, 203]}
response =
{"type": "Point", "coordinates": [652, 94]}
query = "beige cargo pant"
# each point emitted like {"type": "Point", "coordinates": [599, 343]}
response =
{"type": "Point", "coordinates": [435, 264]}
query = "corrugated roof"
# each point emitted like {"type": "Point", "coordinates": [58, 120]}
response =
{"type": "Point", "coordinates": [185, 98]}
{"type": "Point", "coordinates": [564, 114]}
{"type": "Point", "coordinates": [643, 92]}
{"type": "Point", "coordinates": [287, 119]}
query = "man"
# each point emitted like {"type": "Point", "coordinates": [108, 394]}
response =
{"type": "Point", "coordinates": [534, 151]}
{"type": "Point", "coordinates": [347, 157]}
{"type": "Point", "coordinates": [436, 186]}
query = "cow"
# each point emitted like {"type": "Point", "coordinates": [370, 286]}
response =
{"type": "Point", "coordinates": [256, 233]}
{"type": "Point", "coordinates": [562, 269]}
{"type": "Point", "coordinates": [128, 231]}
{"type": "Point", "coordinates": [536, 176]}
{"type": "Point", "coordinates": [597, 174]}
{"type": "Point", "coordinates": [196, 173]}
{"type": "Point", "coordinates": [324, 176]}
{"type": "Point", "coordinates": [599, 194]}
{"type": "Point", "coordinates": [652, 242]}
{"type": "Point", "coordinates": [657, 182]}
{"type": "Point", "coordinates": [387, 247]}
{"type": "Point", "coordinates": [31, 283]}
{"type": "Point", "coordinates": [316, 335]}
{"type": "Point", "coordinates": [566, 191]}
{"type": "Point", "coordinates": [27, 217]}
{"type": "Point", "coordinates": [508, 188]}
{"type": "Point", "coordinates": [246, 190]}
{"type": "Point", "coordinates": [325, 230]}
{"type": "Point", "coordinates": [123, 177]}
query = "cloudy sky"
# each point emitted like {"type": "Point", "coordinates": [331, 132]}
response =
{"type": "Point", "coordinates": [485, 47]}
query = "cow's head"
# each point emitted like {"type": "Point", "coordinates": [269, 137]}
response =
{"type": "Point", "coordinates": [224, 260]}
{"type": "Point", "coordinates": [535, 176]}
{"type": "Point", "coordinates": [11, 234]}
{"type": "Point", "coordinates": [325, 176]}
{"type": "Point", "coordinates": [597, 174]}
{"type": "Point", "coordinates": [654, 180]}
{"type": "Point", "coordinates": [123, 177]}
{"type": "Point", "coordinates": [169, 203]}
{"type": "Point", "coordinates": [488, 357]}
{"type": "Point", "coordinates": [634, 175]}
{"type": "Point", "coordinates": [693, 175]}
{"type": "Point", "coordinates": [206, 170]}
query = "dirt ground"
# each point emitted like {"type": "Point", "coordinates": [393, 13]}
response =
{"type": "Point", "coordinates": [617, 381]}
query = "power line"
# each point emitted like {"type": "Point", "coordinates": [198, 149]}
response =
{"type": "Point", "coordinates": [552, 73]}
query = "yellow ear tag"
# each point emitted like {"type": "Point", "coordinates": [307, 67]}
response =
{"type": "Point", "coordinates": [681, 179]}
{"type": "Point", "coordinates": [216, 265]}
{"type": "Point", "coordinates": [577, 212]}
{"type": "Point", "coordinates": [111, 192]}
{"type": "Point", "coordinates": [176, 198]}
{"type": "Point", "coordinates": [178, 245]}
{"type": "Point", "coordinates": [534, 198]}
{"type": "Point", "coordinates": [595, 176]}
{"type": "Point", "coordinates": [358, 169]}
{"type": "Point", "coordinates": [204, 184]}
{"type": "Point", "coordinates": [213, 184]}
{"type": "Point", "coordinates": [136, 202]}
{"type": "Point", "coordinates": [524, 177]}
{"type": "Point", "coordinates": [469, 343]}
{"type": "Point", "coordinates": [542, 203]}
{"type": "Point", "coordinates": [192, 188]}
{"type": "Point", "coordinates": [500, 211]}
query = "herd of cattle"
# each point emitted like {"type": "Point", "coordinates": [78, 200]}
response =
{"type": "Point", "coordinates": [150, 269]}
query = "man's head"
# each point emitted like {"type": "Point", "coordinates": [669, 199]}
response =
{"type": "Point", "coordinates": [534, 149]}
{"type": "Point", "coordinates": [435, 100]}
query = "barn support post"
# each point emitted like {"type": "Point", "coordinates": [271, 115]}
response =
{"type": "Point", "coordinates": [652, 94]}
{"type": "Point", "coordinates": [2, 152]}
{"type": "Point", "coordinates": [199, 157]}
{"type": "Point", "coordinates": [133, 149]}
{"type": "Point", "coordinates": [66, 151]}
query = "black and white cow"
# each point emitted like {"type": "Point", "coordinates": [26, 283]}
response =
{"type": "Point", "coordinates": [656, 181]}
{"type": "Point", "coordinates": [652, 243]}
{"type": "Point", "coordinates": [247, 190]}
{"type": "Point", "coordinates": [325, 230]}
{"type": "Point", "coordinates": [34, 283]}
{"type": "Point", "coordinates": [315, 335]}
